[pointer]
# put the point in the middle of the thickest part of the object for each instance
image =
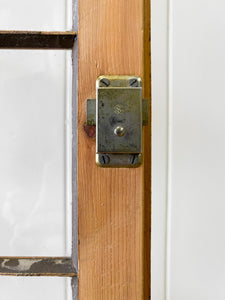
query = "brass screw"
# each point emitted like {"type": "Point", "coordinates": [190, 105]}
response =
{"type": "Point", "coordinates": [104, 82]}
{"type": "Point", "coordinates": [133, 82]}
{"type": "Point", "coordinates": [104, 159]}
{"type": "Point", "coordinates": [119, 131]}
{"type": "Point", "coordinates": [134, 159]}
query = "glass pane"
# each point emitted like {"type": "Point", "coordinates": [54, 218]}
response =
{"type": "Point", "coordinates": [35, 15]}
{"type": "Point", "coordinates": [35, 288]}
{"type": "Point", "coordinates": [35, 126]}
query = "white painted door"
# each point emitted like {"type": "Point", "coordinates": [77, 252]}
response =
{"type": "Point", "coordinates": [188, 163]}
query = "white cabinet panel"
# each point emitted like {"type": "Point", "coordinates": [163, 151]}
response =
{"type": "Point", "coordinates": [34, 288]}
{"type": "Point", "coordinates": [193, 225]}
{"type": "Point", "coordinates": [35, 15]}
{"type": "Point", "coordinates": [35, 168]}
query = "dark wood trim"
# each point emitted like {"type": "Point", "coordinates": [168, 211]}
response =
{"type": "Point", "coordinates": [147, 149]}
{"type": "Point", "coordinates": [37, 266]}
{"type": "Point", "coordinates": [37, 39]}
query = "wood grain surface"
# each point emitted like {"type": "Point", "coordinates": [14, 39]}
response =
{"type": "Point", "coordinates": [114, 227]}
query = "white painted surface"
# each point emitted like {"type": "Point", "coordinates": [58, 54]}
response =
{"type": "Point", "coordinates": [33, 162]}
{"type": "Point", "coordinates": [188, 223]}
{"type": "Point", "coordinates": [159, 146]}
{"type": "Point", "coordinates": [35, 148]}
{"type": "Point", "coordinates": [35, 15]}
{"type": "Point", "coordinates": [34, 288]}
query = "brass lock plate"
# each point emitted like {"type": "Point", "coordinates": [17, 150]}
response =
{"type": "Point", "coordinates": [118, 116]}
{"type": "Point", "coordinates": [119, 120]}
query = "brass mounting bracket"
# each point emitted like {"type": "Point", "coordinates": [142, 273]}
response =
{"type": "Point", "coordinates": [118, 112]}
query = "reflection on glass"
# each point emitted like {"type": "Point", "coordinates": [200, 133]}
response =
{"type": "Point", "coordinates": [35, 288]}
{"type": "Point", "coordinates": [34, 152]}
{"type": "Point", "coordinates": [35, 15]}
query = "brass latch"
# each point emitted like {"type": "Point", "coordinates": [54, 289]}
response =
{"type": "Point", "coordinates": [118, 113]}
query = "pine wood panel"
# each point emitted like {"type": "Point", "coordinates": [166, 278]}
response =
{"type": "Point", "coordinates": [113, 227]}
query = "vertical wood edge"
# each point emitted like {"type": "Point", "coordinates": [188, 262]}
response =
{"type": "Point", "coordinates": [147, 151]}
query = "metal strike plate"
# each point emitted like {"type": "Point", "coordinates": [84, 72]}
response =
{"type": "Point", "coordinates": [118, 113]}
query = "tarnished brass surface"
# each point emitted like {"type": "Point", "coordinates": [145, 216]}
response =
{"type": "Point", "coordinates": [119, 112]}
{"type": "Point", "coordinates": [91, 112]}
{"type": "Point", "coordinates": [119, 160]}
{"type": "Point", "coordinates": [145, 111]}
{"type": "Point", "coordinates": [37, 266]}
{"type": "Point", "coordinates": [119, 107]}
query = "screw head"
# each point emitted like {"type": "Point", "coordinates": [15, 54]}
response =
{"type": "Point", "coordinates": [104, 82]}
{"type": "Point", "coordinates": [119, 131]}
{"type": "Point", "coordinates": [104, 159]}
{"type": "Point", "coordinates": [134, 159]}
{"type": "Point", "coordinates": [133, 82]}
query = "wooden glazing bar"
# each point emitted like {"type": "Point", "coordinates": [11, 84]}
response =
{"type": "Point", "coordinates": [37, 266]}
{"type": "Point", "coordinates": [37, 39]}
